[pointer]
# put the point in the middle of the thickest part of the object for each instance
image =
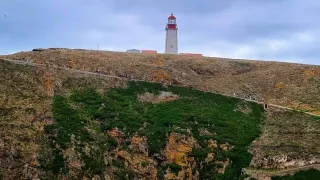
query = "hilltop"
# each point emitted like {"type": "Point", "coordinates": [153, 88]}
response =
{"type": "Point", "coordinates": [57, 122]}
{"type": "Point", "coordinates": [287, 84]}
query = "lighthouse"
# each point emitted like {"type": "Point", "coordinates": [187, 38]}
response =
{"type": "Point", "coordinates": [171, 36]}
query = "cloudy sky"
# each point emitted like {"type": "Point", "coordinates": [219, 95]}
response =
{"type": "Point", "coordinates": [282, 30]}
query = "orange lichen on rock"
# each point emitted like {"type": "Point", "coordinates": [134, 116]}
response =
{"type": "Point", "coordinates": [279, 85]}
{"type": "Point", "coordinates": [139, 145]}
{"type": "Point", "coordinates": [116, 134]}
{"type": "Point", "coordinates": [212, 144]}
{"type": "Point", "coordinates": [309, 73]}
{"type": "Point", "coordinates": [226, 146]}
{"type": "Point", "coordinates": [141, 164]}
{"type": "Point", "coordinates": [126, 156]}
{"type": "Point", "coordinates": [160, 76]}
{"type": "Point", "coordinates": [159, 61]}
{"type": "Point", "coordinates": [177, 148]}
{"type": "Point", "coordinates": [209, 158]}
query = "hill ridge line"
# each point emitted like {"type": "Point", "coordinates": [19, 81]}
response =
{"type": "Point", "coordinates": [125, 78]}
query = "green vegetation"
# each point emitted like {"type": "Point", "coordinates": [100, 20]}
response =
{"type": "Point", "coordinates": [311, 174]}
{"type": "Point", "coordinates": [83, 117]}
{"type": "Point", "coordinates": [175, 168]}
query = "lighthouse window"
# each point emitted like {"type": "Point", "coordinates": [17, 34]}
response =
{"type": "Point", "coordinates": [171, 21]}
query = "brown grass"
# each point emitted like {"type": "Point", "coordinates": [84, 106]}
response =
{"type": "Point", "coordinates": [279, 83]}
{"type": "Point", "coordinates": [25, 108]}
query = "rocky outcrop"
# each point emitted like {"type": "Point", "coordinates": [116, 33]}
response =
{"type": "Point", "coordinates": [282, 161]}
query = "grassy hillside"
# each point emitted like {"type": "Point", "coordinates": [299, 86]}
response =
{"type": "Point", "coordinates": [210, 130]}
{"type": "Point", "coordinates": [291, 85]}
{"type": "Point", "coordinates": [61, 124]}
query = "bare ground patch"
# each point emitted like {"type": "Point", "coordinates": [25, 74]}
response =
{"type": "Point", "coordinates": [153, 98]}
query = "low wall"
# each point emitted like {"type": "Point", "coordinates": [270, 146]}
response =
{"type": "Point", "coordinates": [190, 54]}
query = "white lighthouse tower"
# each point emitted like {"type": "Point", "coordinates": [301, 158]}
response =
{"type": "Point", "coordinates": [171, 36]}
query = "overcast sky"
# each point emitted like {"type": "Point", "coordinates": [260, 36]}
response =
{"type": "Point", "coordinates": [282, 30]}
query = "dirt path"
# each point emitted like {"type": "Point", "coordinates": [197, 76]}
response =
{"type": "Point", "coordinates": [117, 77]}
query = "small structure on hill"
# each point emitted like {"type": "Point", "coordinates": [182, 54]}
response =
{"type": "Point", "coordinates": [148, 51]}
{"type": "Point", "coordinates": [133, 51]}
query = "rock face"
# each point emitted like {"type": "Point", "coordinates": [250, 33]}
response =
{"type": "Point", "coordinates": [282, 162]}
{"type": "Point", "coordinates": [289, 140]}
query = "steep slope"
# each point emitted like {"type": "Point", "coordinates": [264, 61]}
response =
{"type": "Point", "coordinates": [69, 124]}
{"type": "Point", "coordinates": [291, 85]}
{"type": "Point", "coordinates": [25, 108]}
{"type": "Point", "coordinates": [132, 127]}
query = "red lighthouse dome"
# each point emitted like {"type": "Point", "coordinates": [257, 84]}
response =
{"type": "Point", "coordinates": [171, 17]}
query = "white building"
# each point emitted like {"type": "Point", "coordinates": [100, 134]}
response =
{"type": "Point", "coordinates": [171, 36]}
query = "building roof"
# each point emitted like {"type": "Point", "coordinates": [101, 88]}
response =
{"type": "Point", "coordinates": [149, 51]}
{"type": "Point", "coordinates": [171, 17]}
{"type": "Point", "coordinates": [133, 50]}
